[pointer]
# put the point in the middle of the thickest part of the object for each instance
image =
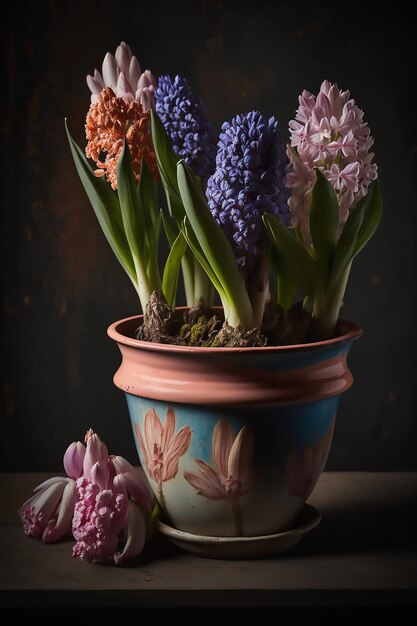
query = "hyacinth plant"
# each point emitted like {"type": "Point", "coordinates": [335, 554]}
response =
{"type": "Point", "coordinates": [120, 145]}
{"type": "Point", "coordinates": [333, 210]}
{"type": "Point", "coordinates": [304, 211]}
{"type": "Point", "coordinates": [186, 134]}
{"type": "Point", "coordinates": [335, 203]}
{"type": "Point", "coordinates": [228, 239]}
{"type": "Point", "coordinates": [122, 187]}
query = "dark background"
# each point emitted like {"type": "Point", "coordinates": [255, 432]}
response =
{"type": "Point", "coordinates": [61, 285]}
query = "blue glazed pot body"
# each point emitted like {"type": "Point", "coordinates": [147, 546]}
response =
{"type": "Point", "coordinates": [233, 442]}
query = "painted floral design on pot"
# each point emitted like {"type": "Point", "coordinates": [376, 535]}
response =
{"type": "Point", "coordinates": [233, 476]}
{"type": "Point", "coordinates": [233, 415]}
{"type": "Point", "coordinates": [162, 447]}
{"type": "Point", "coordinates": [303, 470]}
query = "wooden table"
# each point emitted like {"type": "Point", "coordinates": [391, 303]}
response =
{"type": "Point", "coordinates": [364, 553]}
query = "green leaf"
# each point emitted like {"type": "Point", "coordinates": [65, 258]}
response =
{"type": "Point", "coordinates": [106, 207]}
{"type": "Point", "coordinates": [132, 214]}
{"type": "Point", "coordinates": [172, 269]}
{"type": "Point", "coordinates": [147, 194]}
{"type": "Point", "coordinates": [165, 155]}
{"type": "Point", "coordinates": [372, 217]}
{"type": "Point", "coordinates": [170, 231]}
{"type": "Point", "coordinates": [214, 243]}
{"type": "Point", "coordinates": [187, 262]}
{"type": "Point", "coordinates": [324, 221]}
{"type": "Point", "coordinates": [345, 247]}
{"type": "Point", "coordinates": [286, 290]}
{"type": "Point", "coordinates": [295, 264]}
{"type": "Point", "coordinates": [201, 258]}
{"type": "Point", "coordinates": [167, 165]}
{"type": "Point", "coordinates": [148, 197]}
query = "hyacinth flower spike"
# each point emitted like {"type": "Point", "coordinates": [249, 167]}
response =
{"type": "Point", "coordinates": [225, 229]}
{"type": "Point", "coordinates": [112, 499]}
{"type": "Point", "coordinates": [335, 203]}
{"type": "Point", "coordinates": [181, 130]}
{"type": "Point", "coordinates": [120, 145]}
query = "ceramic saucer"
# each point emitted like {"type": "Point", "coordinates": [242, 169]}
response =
{"type": "Point", "coordinates": [243, 547]}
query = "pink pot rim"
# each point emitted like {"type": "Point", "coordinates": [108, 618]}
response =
{"type": "Point", "coordinates": [350, 332]}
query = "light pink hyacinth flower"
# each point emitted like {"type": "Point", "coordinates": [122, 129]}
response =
{"type": "Point", "coordinates": [102, 496]}
{"type": "Point", "coordinates": [48, 513]}
{"type": "Point", "coordinates": [303, 470]}
{"type": "Point", "coordinates": [112, 496]}
{"type": "Point", "coordinates": [233, 476]}
{"type": "Point", "coordinates": [162, 447]}
{"type": "Point", "coordinates": [328, 133]}
{"type": "Point", "coordinates": [122, 73]}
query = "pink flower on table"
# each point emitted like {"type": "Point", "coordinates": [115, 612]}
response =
{"type": "Point", "coordinates": [112, 496]}
{"type": "Point", "coordinates": [74, 459]}
{"type": "Point", "coordinates": [48, 513]}
{"type": "Point", "coordinates": [99, 518]}
{"type": "Point", "coordinates": [103, 496]}
{"type": "Point", "coordinates": [161, 446]}
{"type": "Point", "coordinates": [328, 133]}
{"type": "Point", "coordinates": [303, 471]}
{"type": "Point", "coordinates": [233, 476]}
{"type": "Point", "coordinates": [96, 452]}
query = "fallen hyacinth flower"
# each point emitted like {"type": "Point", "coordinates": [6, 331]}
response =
{"type": "Point", "coordinates": [47, 515]}
{"type": "Point", "coordinates": [102, 496]}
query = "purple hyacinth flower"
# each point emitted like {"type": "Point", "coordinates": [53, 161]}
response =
{"type": "Point", "coordinates": [185, 120]}
{"type": "Point", "coordinates": [251, 167]}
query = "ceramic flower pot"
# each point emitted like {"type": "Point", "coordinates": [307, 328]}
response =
{"type": "Point", "coordinates": [232, 440]}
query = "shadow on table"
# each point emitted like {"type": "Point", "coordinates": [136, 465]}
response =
{"type": "Point", "coordinates": [363, 526]}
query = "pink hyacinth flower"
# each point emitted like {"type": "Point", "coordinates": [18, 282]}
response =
{"type": "Point", "coordinates": [48, 513]}
{"type": "Point", "coordinates": [74, 459]}
{"type": "Point", "coordinates": [96, 452]}
{"type": "Point", "coordinates": [99, 517]}
{"type": "Point", "coordinates": [135, 533]}
{"type": "Point", "coordinates": [122, 73]}
{"type": "Point", "coordinates": [303, 470]}
{"type": "Point", "coordinates": [328, 134]}
{"type": "Point", "coordinates": [232, 457]}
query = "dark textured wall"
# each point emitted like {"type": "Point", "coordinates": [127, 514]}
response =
{"type": "Point", "coordinates": [62, 287]}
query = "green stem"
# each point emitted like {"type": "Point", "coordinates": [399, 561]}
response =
{"type": "Point", "coordinates": [235, 316]}
{"type": "Point", "coordinates": [142, 285]}
{"type": "Point", "coordinates": [328, 315]}
{"type": "Point", "coordinates": [153, 274]}
{"type": "Point", "coordinates": [258, 289]}
{"type": "Point", "coordinates": [188, 276]}
{"type": "Point", "coordinates": [201, 283]}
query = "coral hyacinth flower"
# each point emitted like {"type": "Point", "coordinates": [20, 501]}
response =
{"type": "Point", "coordinates": [110, 122]}
{"type": "Point", "coordinates": [162, 447]}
